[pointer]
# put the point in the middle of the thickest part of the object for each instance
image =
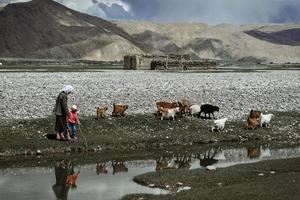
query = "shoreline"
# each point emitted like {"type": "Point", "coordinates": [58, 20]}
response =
{"type": "Point", "coordinates": [140, 132]}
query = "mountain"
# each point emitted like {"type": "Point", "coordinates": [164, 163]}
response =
{"type": "Point", "coordinates": [47, 29]}
{"type": "Point", "coordinates": [247, 43]}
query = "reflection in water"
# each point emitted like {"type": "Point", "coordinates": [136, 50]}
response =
{"type": "Point", "coordinates": [118, 166]}
{"type": "Point", "coordinates": [101, 168]}
{"type": "Point", "coordinates": [177, 161]}
{"type": "Point", "coordinates": [208, 157]}
{"type": "Point", "coordinates": [64, 179]}
{"type": "Point", "coordinates": [37, 183]}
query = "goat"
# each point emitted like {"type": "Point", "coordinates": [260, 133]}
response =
{"type": "Point", "coordinates": [165, 104]}
{"type": "Point", "coordinates": [210, 109]}
{"type": "Point", "coordinates": [184, 106]}
{"type": "Point", "coordinates": [219, 124]}
{"type": "Point", "coordinates": [265, 119]}
{"type": "Point", "coordinates": [119, 110]}
{"type": "Point", "coordinates": [101, 112]}
{"type": "Point", "coordinates": [194, 109]}
{"type": "Point", "coordinates": [168, 112]}
{"type": "Point", "coordinates": [254, 119]}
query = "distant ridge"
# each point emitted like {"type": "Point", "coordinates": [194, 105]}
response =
{"type": "Point", "coordinates": [285, 37]}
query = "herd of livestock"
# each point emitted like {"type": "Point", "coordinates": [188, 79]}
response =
{"type": "Point", "coordinates": [168, 110]}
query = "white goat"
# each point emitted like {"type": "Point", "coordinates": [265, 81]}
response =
{"type": "Point", "coordinates": [195, 109]}
{"type": "Point", "coordinates": [168, 113]}
{"type": "Point", "coordinates": [265, 119]}
{"type": "Point", "coordinates": [219, 124]}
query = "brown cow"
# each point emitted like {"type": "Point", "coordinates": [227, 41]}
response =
{"type": "Point", "coordinates": [119, 110]}
{"type": "Point", "coordinates": [184, 106]}
{"type": "Point", "coordinates": [254, 119]}
{"type": "Point", "coordinates": [101, 112]}
{"type": "Point", "coordinates": [119, 167]}
{"type": "Point", "coordinates": [101, 168]}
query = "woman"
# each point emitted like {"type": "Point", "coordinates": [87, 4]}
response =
{"type": "Point", "coordinates": [62, 113]}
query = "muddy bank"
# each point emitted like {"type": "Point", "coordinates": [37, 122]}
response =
{"type": "Point", "coordinates": [274, 179]}
{"type": "Point", "coordinates": [139, 131]}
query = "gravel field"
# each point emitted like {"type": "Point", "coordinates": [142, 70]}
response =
{"type": "Point", "coordinates": [33, 95]}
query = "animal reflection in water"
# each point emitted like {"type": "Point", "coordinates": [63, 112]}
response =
{"type": "Point", "coordinates": [118, 166]}
{"type": "Point", "coordinates": [101, 168]}
{"type": "Point", "coordinates": [174, 162]}
{"type": "Point", "coordinates": [258, 152]}
{"type": "Point", "coordinates": [65, 178]}
{"type": "Point", "coordinates": [209, 157]}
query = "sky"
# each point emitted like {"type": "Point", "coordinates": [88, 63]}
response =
{"type": "Point", "coordinates": [203, 11]}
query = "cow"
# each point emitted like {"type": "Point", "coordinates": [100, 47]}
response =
{"type": "Point", "coordinates": [119, 110]}
{"type": "Point", "coordinates": [101, 112]}
{"type": "Point", "coordinates": [210, 109]}
{"type": "Point", "coordinates": [254, 119]}
{"type": "Point", "coordinates": [118, 166]}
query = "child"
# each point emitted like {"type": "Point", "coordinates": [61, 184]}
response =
{"type": "Point", "coordinates": [72, 121]}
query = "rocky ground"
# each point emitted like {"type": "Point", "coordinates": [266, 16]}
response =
{"type": "Point", "coordinates": [32, 95]}
{"type": "Point", "coordinates": [27, 100]}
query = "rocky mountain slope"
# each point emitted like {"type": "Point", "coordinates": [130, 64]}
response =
{"type": "Point", "coordinates": [47, 29]}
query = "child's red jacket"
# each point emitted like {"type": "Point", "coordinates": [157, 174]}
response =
{"type": "Point", "coordinates": [73, 118]}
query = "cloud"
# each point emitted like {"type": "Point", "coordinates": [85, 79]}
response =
{"type": "Point", "coordinates": [211, 12]}
{"type": "Point", "coordinates": [113, 9]}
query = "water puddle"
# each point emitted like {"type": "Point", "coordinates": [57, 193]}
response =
{"type": "Point", "coordinates": [113, 179]}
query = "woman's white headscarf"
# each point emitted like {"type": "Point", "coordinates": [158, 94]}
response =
{"type": "Point", "coordinates": [68, 89]}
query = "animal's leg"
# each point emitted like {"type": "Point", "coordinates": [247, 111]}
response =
{"type": "Point", "coordinates": [161, 118]}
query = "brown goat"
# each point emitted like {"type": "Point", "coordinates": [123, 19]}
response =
{"type": "Point", "coordinates": [254, 119]}
{"type": "Point", "coordinates": [119, 110]}
{"type": "Point", "coordinates": [165, 104]}
{"type": "Point", "coordinates": [101, 112]}
{"type": "Point", "coordinates": [184, 106]}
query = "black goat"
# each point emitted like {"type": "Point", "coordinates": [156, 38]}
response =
{"type": "Point", "coordinates": [210, 109]}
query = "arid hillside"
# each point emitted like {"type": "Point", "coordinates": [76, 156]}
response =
{"type": "Point", "coordinates": [47, 29]}
{"type": "Point", "coordinates": [261, 42]}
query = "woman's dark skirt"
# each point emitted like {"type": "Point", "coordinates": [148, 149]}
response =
{"type": "Point", "coordinates": [61, 124]}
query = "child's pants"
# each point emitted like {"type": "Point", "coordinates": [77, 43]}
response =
{"type": "Point", "coordinates": [73, 129]}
